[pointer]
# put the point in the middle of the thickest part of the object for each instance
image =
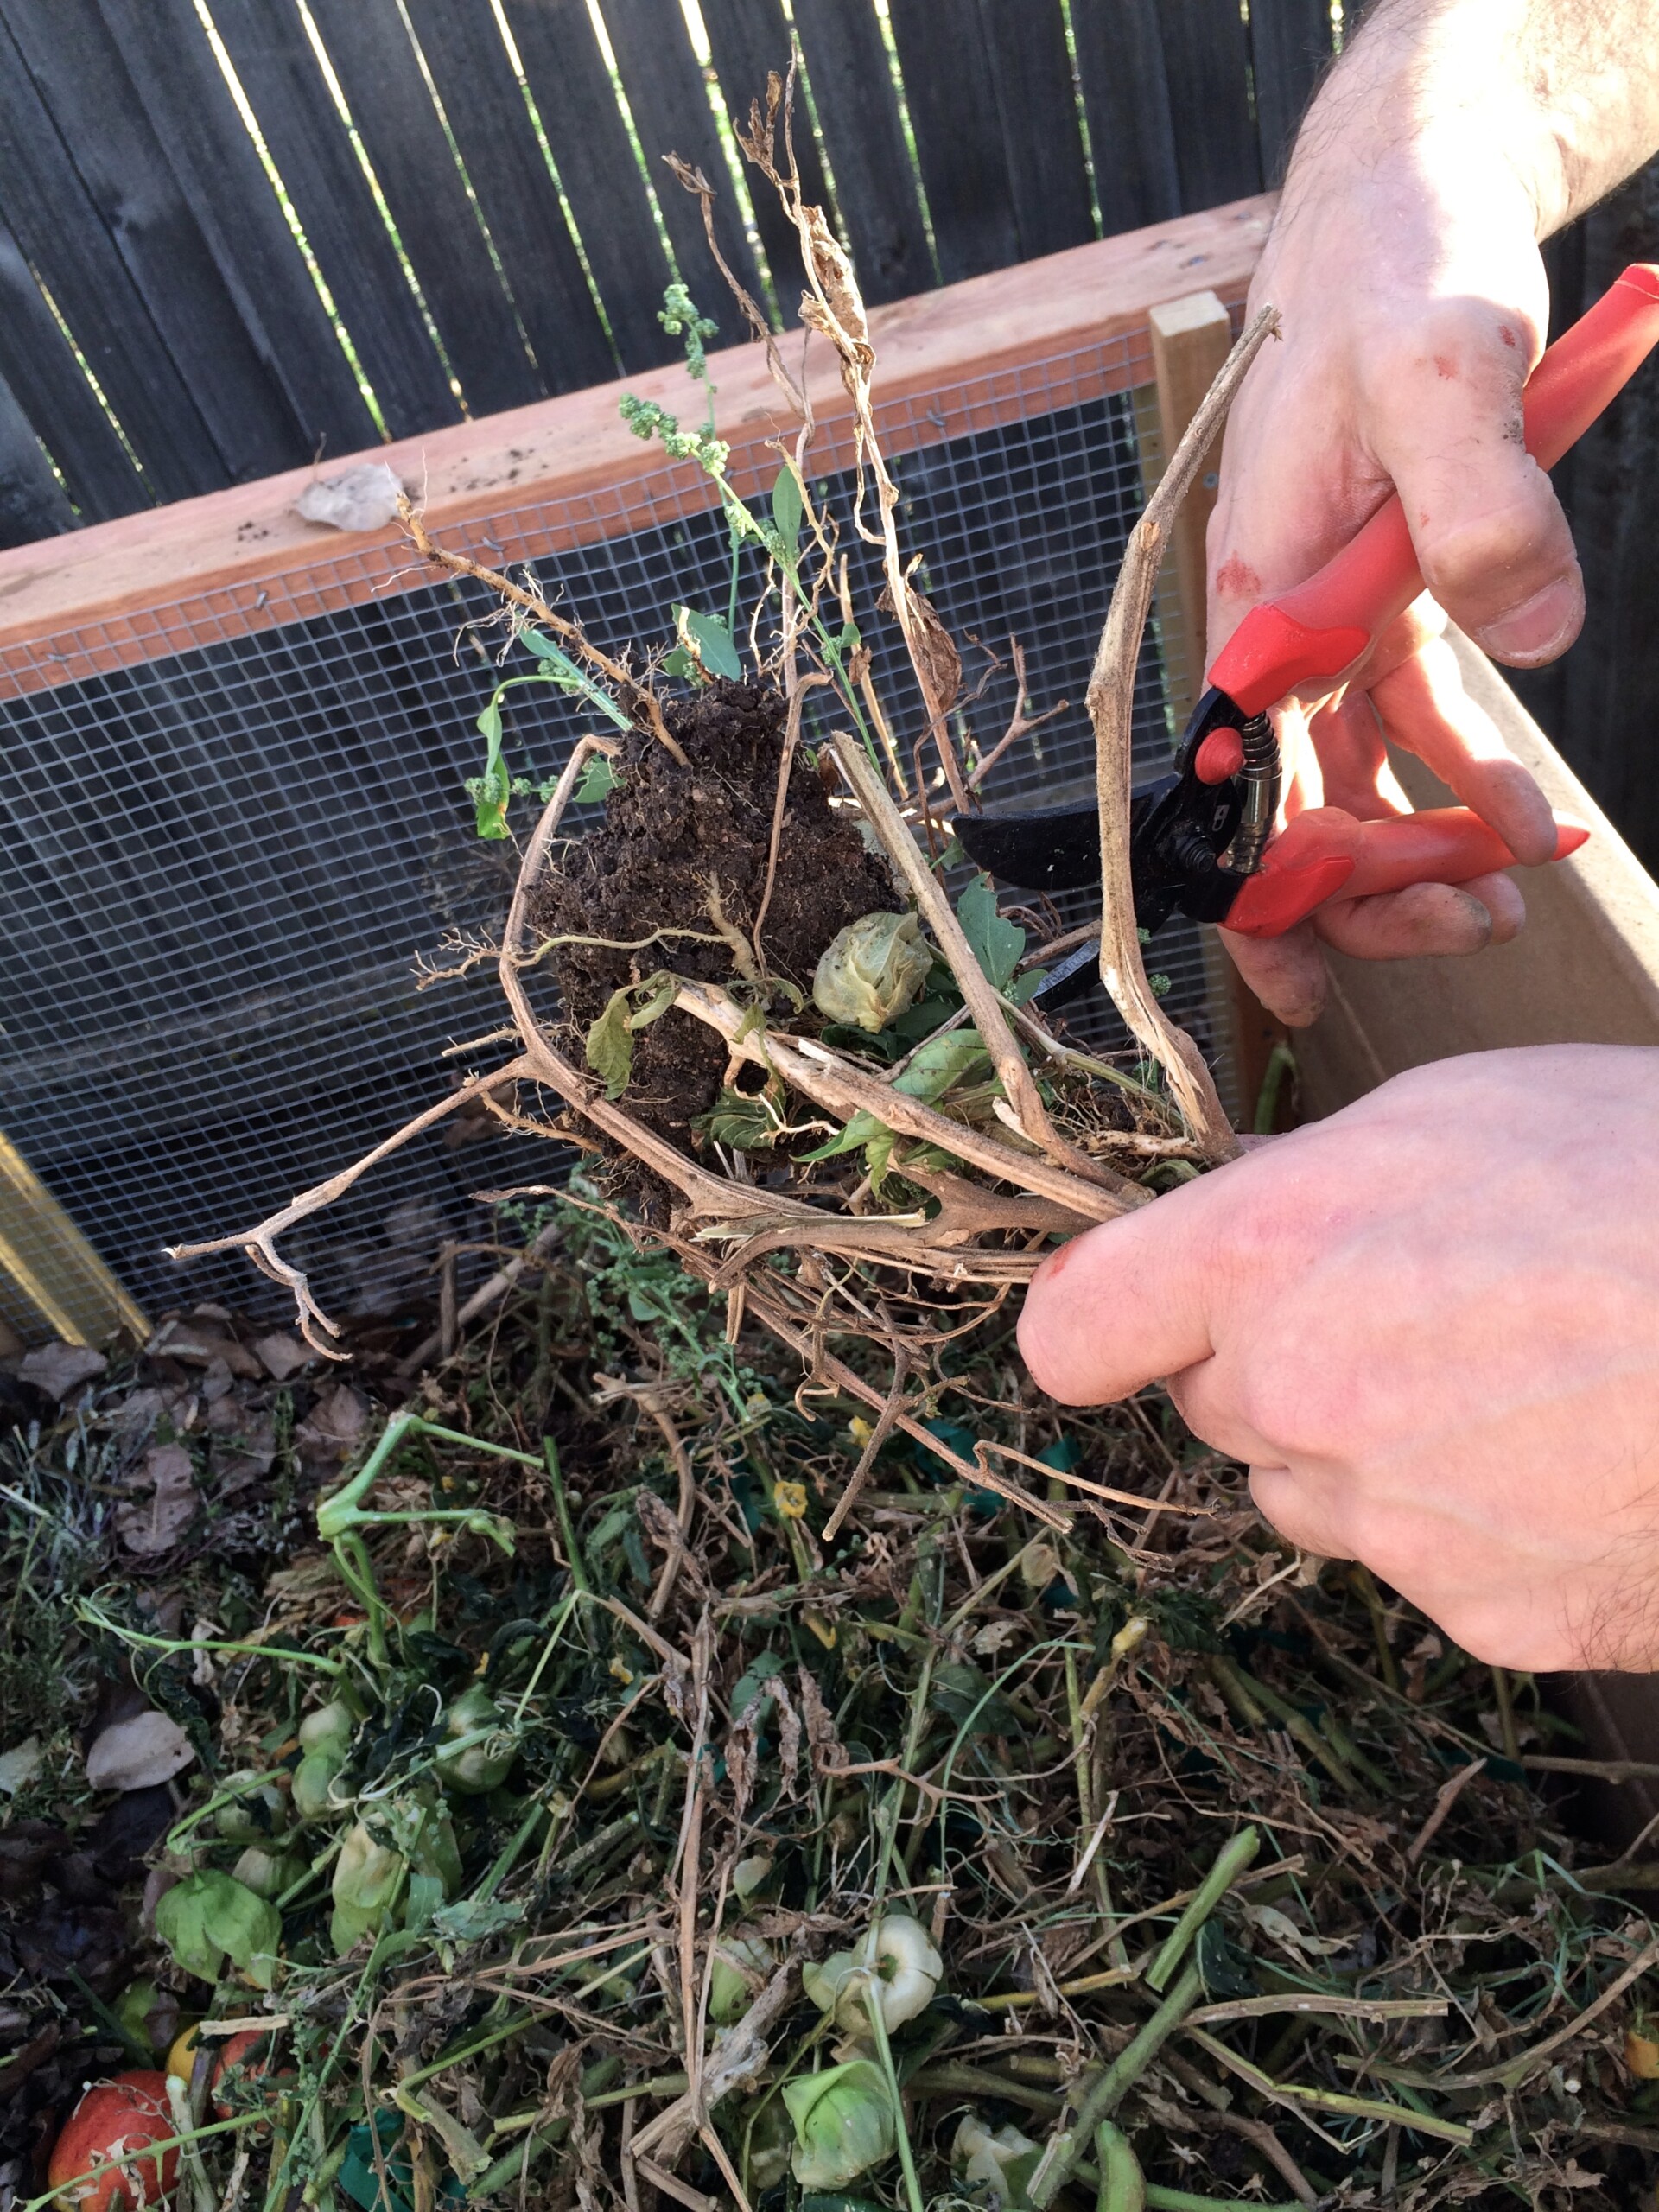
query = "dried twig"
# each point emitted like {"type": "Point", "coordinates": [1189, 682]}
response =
{"type": "Point", "coordinates": [635, 697]}
{"type": "Point", "coordinates": [1111, 703]}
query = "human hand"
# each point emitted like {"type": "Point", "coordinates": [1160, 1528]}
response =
{"type": "Point", "coordinates": [1430, 1327]}
{"type": "Point", "coordinates": [1412, 300]}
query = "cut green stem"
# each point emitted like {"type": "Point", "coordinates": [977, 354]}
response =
{"type": "Point", "coordinates": [1066, 2146]}
{"type": "Point", "coordinates": [1234, 1859]}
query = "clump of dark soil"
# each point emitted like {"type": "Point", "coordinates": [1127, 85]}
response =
{"type": "Point", "coordinates": [671, 836]}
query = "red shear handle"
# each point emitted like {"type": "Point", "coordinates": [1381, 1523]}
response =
{"type": "Point", "coordinates": [1318, 628]}
{"type": "Point", "coordinates": [1327, 853]}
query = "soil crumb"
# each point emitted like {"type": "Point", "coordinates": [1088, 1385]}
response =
{"type": "Point", "coordinates": [669, 836]}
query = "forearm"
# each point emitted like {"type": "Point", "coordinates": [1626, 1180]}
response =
{"type": "Point", "coordinates": [1557, 99]}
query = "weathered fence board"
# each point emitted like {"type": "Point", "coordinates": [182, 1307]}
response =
{"type": "Point", "coordinates": [864, 140]}
{"type": "Point", "coordinates": [33, 503]}
{"type": "Point", "coordinates": [747, 39]}
{"type": "Point", "coordinates": [1042, 135]}
{"type": "Point", "coordinates": [219, 170]}
{"type": "Point", "coordinates": [407, 147]}
{"type": "Point", "coordinates": [268, 47]}
{"type": "Point", "coordinates": [669, 104]}
{"type": "Point", "coordinates": [1290, 43]}
{"type": "Point", "coordinates": [61, 407]}
{"type": "Point", "coordinates": [959, 143]}
{"type": "Point", "coordinates": [61, 230]}
{"type": "Point", "coordinates": [516, 194]}
{"type": "Point", "coordinates": [85, 101]}
{"type": "Point", "coordinates": [575, 99]}
{"type": "Point", "coordinates": [1206, 55]}
{"type": "Point", "coordinates": [1126, 99]}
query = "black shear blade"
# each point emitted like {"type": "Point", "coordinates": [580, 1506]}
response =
{"type": "Point", "coordinates": [1051, 849]}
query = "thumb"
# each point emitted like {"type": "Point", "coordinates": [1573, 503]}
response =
{"type": "Point", "coordinates": [1129, 1302]}
{"type": "Point", "coordinates": [1493, 543]}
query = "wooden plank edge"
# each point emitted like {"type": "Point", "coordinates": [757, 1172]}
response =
{"type": "Point", "coordinates": [249, 538]}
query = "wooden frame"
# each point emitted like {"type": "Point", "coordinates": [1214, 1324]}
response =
{"type": "Point", "coordinates": [129, 590]}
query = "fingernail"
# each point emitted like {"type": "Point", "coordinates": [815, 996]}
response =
{"type": "Point", "coordinates": [1536, 631]}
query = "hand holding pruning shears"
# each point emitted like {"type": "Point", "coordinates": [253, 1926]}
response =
{"type": "Point", "coordinates": [1429, 1324]}
{"type": "Point", "coordinates": [1208, 840]}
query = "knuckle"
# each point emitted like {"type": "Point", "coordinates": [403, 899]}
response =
{"type": "Point", "coordinates": [1517, 545]}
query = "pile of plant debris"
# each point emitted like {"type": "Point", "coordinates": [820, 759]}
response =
{"type": "Point", "coordinates": [571, 1820]}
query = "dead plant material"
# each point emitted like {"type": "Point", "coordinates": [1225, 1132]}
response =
{"type": "Point", "coordinates": [841, 1180]}
{"type": "Point", "coordinates": [640, 1835]}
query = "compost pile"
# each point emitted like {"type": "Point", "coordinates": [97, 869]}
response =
{"type": "Point", "coordinates": [568, 1822]}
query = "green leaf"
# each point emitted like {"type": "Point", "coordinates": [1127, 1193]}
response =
{"type": "Point", "coordinates": [713, 641]}
{"type": "Point", "coordinates": [609, 1050]}
{"type": "Point", "coordinates": [678, 662]}
{"type": "Point", "coordinates": [738, 1121]}
{"type": "Point", "coordinates": [940, 1064]}
{"type": "Point", "coordinates": [599, 780]}
{"type": "Point", "coordinates": [473, 1918]}
{"type": "Point", "coordinates": [786, 507]}
{"type": "Point", "coordinates": [210, 1916]}
{"type": "Point", "coordinates": [997, 944]}
{"type": "Point", "coordinates": [491, 791]}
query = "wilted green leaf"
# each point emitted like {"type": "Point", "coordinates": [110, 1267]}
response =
{"type": "Point", "coordinates": [713, 643]}
{"type": "Point", "coordinates": [210, 1916]}
{"type": "Point", "coordinates": [599, 780]}
{"type": "Point", "coordinates": [997, 944]}
{"type": "Point", "coordinates": [786, 509]}
{"type": "Point", "coordinates": [738, 1121]}
{"type": "Point", "coordinates": [872, 971]}
{"type": "Point", "coordinates": [470, 1919]}
{"type": "Point", "coordinates": [367, 1878]}
{"type": "Point", "coordinates": [609, 1048]}
{"type": "Point", "coordinates": [491, 791]}
{"type": "Point", "coordinates": [843, 2123]}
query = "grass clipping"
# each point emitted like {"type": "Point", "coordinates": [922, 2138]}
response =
{"type": "Point", "coordinates": [994, 1134]}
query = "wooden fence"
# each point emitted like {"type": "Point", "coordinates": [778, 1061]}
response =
{"type": "Point", "coordinates": [236, 233]}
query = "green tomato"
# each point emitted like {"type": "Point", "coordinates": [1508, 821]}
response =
{"type": "Point", "coordinates": [843, 2123]}
{"type": "Point", "coordinates": [366, 1879]}
{"type": "Point", "coordinates": [314, 1780]}
{"type": "Point", "coordinates": [472, 1768]}
{"type": "Point", "coordinates": [267, 1873]}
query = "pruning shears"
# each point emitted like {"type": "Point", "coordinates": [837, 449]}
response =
{"type": "Point", "coordinates": [1203, 840]}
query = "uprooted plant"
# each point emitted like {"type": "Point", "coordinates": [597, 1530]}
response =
{"type": "Point", "coordinates": [818, 1078]}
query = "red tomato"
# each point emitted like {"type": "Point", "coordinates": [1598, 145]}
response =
{"type": "Point", "coordinates": [241, 2078]}
{"type": "Point", "coordinates": [123, 2114]}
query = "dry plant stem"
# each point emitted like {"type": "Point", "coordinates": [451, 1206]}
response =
{"type": "Point", "coordinates": [633, 694]}
{"type": "Point", "coordinates": [1111, 706]}
{"type": "Point", "coordinates": [831, 1082]}
{"type": "Point", "coordinates": [990, 1015]}
{"type": "Point", "coordinates": [838, 1376]}
{"type": "Point", "coordinates": [739, 2054]}
{"type": "Point", "coordinates": [877, 1437]}
{"type": "Point", "coordinates": [258, 1242]}
{"type": "Point", "coordinates": [683, 1508]}
{"type": "Point", "coordinates": [798, 687]}
{"type": "Point", "coordinates": [834, 308]}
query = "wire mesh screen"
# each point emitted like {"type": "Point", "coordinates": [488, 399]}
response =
{"type": "Point", "coordinates": [228, 859]}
